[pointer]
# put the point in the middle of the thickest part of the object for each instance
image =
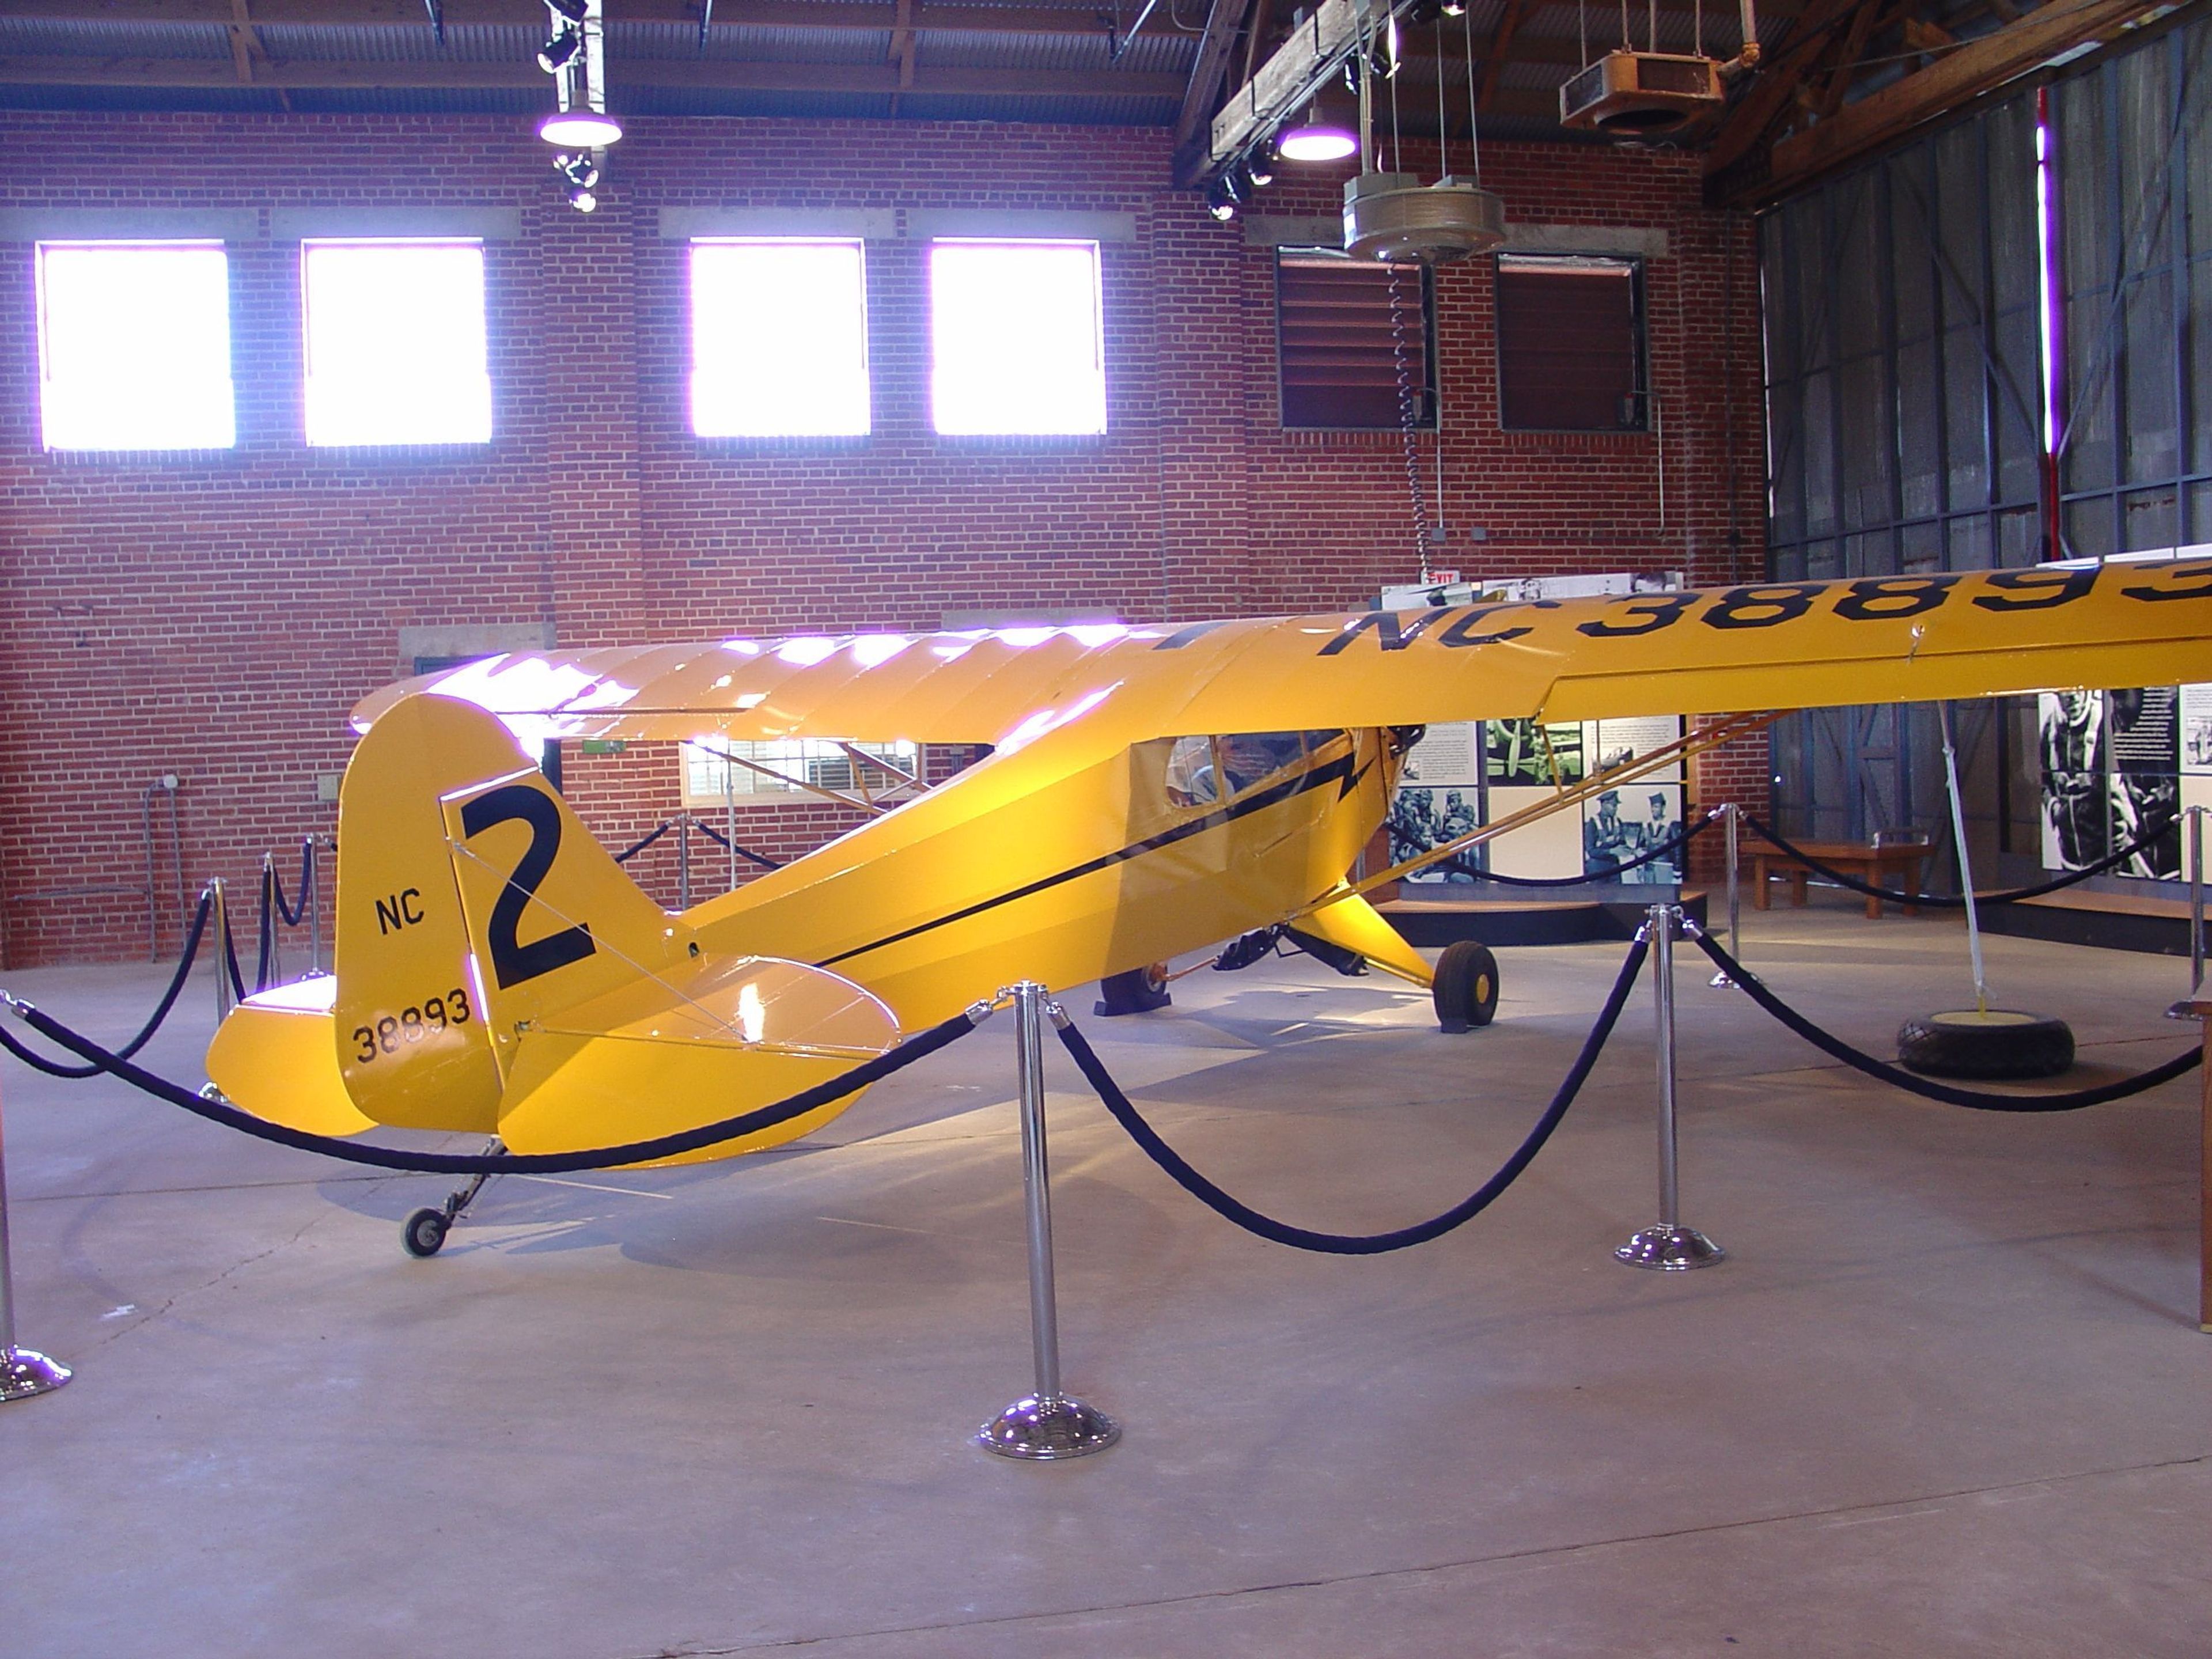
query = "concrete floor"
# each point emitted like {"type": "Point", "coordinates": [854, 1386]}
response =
{"type": "Point", "coordinates": [1946, 1396]}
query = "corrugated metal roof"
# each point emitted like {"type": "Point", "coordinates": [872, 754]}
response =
{"type": "Point", "coordinates": [30, 37]}
{"type": "Point", "coordinates": [466, 43]}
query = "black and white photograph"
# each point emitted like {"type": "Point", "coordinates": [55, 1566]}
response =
{"type": "Point", "coordinates": [2195, 704]}
{"type": "Point", "coordinates": [1616, 743]}
{"type": "Point", "coordinates": [1425, 817]}
{"type": "Point", "coordinates": [1524, 753]}
{"type": "Point", "coordinates": [2077, 805]}
{"type": "Point", "coordinates": [2143, 737]}
{"type": "Point", "coordinates": [1621, 825]}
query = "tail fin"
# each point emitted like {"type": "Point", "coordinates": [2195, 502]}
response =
{"type": "Point", "coordinates": [471, 902]}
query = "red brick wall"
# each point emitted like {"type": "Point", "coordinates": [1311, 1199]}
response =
{"type": "Point", "coordinates": [216, 616]}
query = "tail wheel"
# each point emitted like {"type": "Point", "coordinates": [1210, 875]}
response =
{"type": "Point", "coordinates": [423, 1233]}
{"type": "Point", "coordinates": [1466, 989]}
{"type": "Point", "coordinates": [1136, 991]}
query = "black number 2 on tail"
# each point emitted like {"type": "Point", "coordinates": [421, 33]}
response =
{"type": "Point", "coordinates": [512, 962]}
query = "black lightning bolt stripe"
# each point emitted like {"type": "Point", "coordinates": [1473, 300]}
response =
{"type": "Point", "coordinates": [1339, 771]}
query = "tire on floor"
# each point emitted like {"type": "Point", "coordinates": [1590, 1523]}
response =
{"type": "Point", "coordinates": [1466, 989]}
{"type": "Point", "coordinates": [2000, 1042]}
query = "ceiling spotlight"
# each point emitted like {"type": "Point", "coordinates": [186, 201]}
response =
{"type": "Point", "coordinates": [1317, 134]}
{"type": "Point", "coordinates": [1455, 8]}
{"type": "Point", "coordinates": [581, 199]}
{"type": "Point", "coordinates": [1261, 163]}
{"type": "Point", "coordinates": [574, 11]}
{"type": "Point", "coordinates": [559, 49]}
{"type": "Point", "coordinates": [580, 171]}
{"type": "Point", "coordinates": [1221, 200]}
{"type": "Point", "coordinates": [580, 129]}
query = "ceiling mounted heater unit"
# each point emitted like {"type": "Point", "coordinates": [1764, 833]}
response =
{"type": "Point", "coordinates": [1394, 215]}
{"type": "Point", "coordinates": [1641, 93]}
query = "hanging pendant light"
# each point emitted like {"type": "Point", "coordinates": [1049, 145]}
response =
{"type": "Point", "coordinates": [1323, 131]}
{"type": "Point", "coordinates": [574, 55]}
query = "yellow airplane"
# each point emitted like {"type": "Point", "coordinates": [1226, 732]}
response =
{"type": "Point", "coordinates": [1151, 791]}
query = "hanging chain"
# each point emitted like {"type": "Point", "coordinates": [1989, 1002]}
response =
{"type": "Point", "coordinates": [1409, 414]}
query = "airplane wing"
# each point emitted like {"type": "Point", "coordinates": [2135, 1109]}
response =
{"type": "Point", "coordinates": [1759, 646]}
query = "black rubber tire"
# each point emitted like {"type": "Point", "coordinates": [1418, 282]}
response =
{"type": "Point", "coordinates": [1466, 991]}
{"type": "Point", "coordinates": [423, 1233]}
{"type": "Point", "coordinates": [1136, 991]}
{"type": "Point", "coordinates": [2001, 1043]}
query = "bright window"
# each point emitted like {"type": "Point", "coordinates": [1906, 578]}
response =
{"type": "Point", "coordinates": [793, 763]}
{"type": "Point", "coordinates": [779, 339]}
{"type": "Point", "coordinates": [134, 346]}
{"type": "Point", "coordinates": [395, 343]}
{"type": "Point", "coordinates": [1016, 342]}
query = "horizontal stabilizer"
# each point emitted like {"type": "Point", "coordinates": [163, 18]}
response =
{"type": "Point", "coordinates": [663, 1054]}
{"type": "Point", "coordinates": [276, 1055]}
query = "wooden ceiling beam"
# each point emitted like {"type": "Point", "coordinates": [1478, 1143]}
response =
{"type": "Point", "coordinates": [1775, 83]}
{"type": "Point", "coordinates": [1501, 44]}
{"type": "Point", "coordinates": [1951, 82]}
{"type": "Point", "coordinates": [1224, 21]}
{"type": "Point", "coordinates": [1845, 54]}
{"type": "Point", "coordinates": [706, 74]}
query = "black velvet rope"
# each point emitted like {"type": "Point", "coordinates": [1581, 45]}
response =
{"type": "Point", "coordinates": [1681, 839]}
{"type": "Point", "coordinates": [294, 914]}
{"type": "Point", "coordinates": [38, 1062]}
{"type": "Point", "coordinates": [918, 1047]}
{"type": "Point", "coordinates": [1957, 900]}
{"type": "Point", "coordinates": [1304, 1238]}
{"type": "Point", "coordinates": [1980, 1099]}
{"type": "Point", "coordinates": [723, 840]}
{"type": "Point", "coordinates": [264, 931]}
{"type": "Point", "coordinates": [637, 846]}
{"type": "Point", "coordinates": [227, 960]}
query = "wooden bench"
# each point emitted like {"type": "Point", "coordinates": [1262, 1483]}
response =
{"type": "Point", "coordinates": [1896, 866]}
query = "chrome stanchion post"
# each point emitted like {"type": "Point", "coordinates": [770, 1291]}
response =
{"type": "Point", "coordinates": [1732, 811]}
{"type": "Point", "coordinates": [730, 818]}
{"type": "Point", "coordinates": [2196, 899]}
{"type": "Point", "coordinates": [1047, 1424]}
{"type": "Point", "coordinates": [219, 925]}
{"type": "Point", "coordinates": [313, 900]}
{"type": "Point", "coordinates": [275, 920]}
{"type": "Point", "coordinates": [683, 860]}
{"type": "Point", "coordinates": [23, 1371]}
{"type": "Point", "coordinates": [1669, 1245]}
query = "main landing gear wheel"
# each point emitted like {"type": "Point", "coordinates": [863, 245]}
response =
{"type": "Point", "coordinates": [1994, 1043]}
{"type": "Point", "coordinates": [1466, 989]}
{"type": "Point", "coordinates": [423, 1233]}
{"type": "Point", "coordinates": [1136, 991]}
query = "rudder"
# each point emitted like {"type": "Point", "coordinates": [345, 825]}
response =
{"type": "Point", "coordinates": [470, 899]}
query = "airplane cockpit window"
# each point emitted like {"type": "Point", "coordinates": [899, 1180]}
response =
{"type": "Point", "coordinates": [1200, 770]}
{"type": "Point", "coordinates": [1192, 779]}
{"type": "Point", "coordinates": [1246, 758]}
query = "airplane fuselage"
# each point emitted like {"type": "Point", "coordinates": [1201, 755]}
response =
{"type": "Point", "coordinates": [1128, 859]}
